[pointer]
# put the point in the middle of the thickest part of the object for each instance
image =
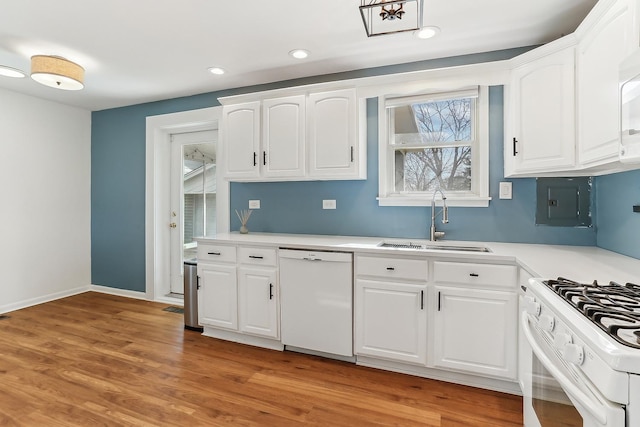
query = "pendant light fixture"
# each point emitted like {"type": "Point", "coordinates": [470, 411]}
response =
{"type": "Point", "coordinates": [57, 72]}
{"type": "Point", "coordinates": [382, 17]}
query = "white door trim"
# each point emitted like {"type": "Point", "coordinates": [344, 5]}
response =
{"type": "Point", "coordinates": [157, 194]}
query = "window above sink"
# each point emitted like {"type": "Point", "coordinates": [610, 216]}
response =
{"type": "Point", "coordinates": [432, 141]}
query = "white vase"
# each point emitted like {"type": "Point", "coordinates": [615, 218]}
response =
{"type": "Point", "coordinates": [244, 229]}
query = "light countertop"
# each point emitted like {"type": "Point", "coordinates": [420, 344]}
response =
{"type": "Point", "coordinates": [580, 263]}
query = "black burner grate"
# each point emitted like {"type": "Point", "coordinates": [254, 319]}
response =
{"type": "Point", "coordinates": [614, 308]}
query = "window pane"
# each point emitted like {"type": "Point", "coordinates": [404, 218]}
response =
{"type": "Point", "coordinates": [431, 168]}
{"type": "Point", "coordinates": [433, 122]}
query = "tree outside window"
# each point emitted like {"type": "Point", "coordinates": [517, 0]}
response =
{"type": "Point", "coordinates": [432, 145]}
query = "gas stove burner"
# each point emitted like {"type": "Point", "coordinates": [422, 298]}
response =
{"type": "Point", "coordinates": [614, 308]}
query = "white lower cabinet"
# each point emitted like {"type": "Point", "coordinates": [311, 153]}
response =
{"type": "Point", "coordinates": [390, 308]}
{"type": "Point", "coordinates": [475, 331]}
{"type": "Point", "coordinates": [258, 301]}
{"type": "Point", "coordinates": [440, 318]}
{"type": "Point", "coordinates": [475, 318]}
{"type": "Point", "coordinates": [218, 296]}
{"type": "Point", "coordinates": [238, 294]}
{"type": "Point", "coordinates": [391, 320]}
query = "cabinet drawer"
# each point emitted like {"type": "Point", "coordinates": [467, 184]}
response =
{"type": "Point", "coordinates": [503, 276]}
{"type": "Point", "coordinates": [258, 256]}
{"type": "Point", "coordinates": [392, 268]}
{"type": "Point", "coordinates": [219, 253]}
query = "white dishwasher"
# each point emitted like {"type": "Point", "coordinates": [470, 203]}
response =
{"type": "Point", "coordinates": [316, 300]}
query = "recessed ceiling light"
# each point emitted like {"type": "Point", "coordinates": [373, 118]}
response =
{"type": "Point", "coordinates": [427, 32]}
{"type": "Point", "coordinates": [216, 70]}
{"type": "Point", "coordinates": [299, 53]}
{"type": "Point", "coordinates": [11, 72]}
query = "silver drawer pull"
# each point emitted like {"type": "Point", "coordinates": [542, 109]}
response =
{"type": "Point", "coordinates": [391, 268]}
{"type": "Point", "coordinates": [256, 257]}
{"type": "Point", "coordinates": [474, 275]}
{"type": "Point", "coordinates": [214, 253]}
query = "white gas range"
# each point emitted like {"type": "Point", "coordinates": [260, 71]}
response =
{"type": "Point", "coordinates": [580, 354]}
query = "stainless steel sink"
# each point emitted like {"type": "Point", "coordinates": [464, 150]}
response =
{"type": "Point", "coordinates": [416, 246]}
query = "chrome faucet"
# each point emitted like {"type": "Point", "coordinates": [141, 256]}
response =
{"type": "Point", "coordinates": [433, 234]}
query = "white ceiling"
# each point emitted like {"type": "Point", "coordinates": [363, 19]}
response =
{"type": "Point", "coordinates": [137, 51]}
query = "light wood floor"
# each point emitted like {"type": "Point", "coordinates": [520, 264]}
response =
{"type": "Point", "coordinates": [95, 359]}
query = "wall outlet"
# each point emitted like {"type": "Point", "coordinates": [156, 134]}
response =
{"type": "Point", "coordinates": [328, 204]}
{"type": "Point", "coordinates": [254, 204]}
{"type": "Point", "coordinates": [506, 190]}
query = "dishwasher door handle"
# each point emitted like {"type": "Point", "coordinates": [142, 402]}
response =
{"type": "Point", "coordinates": [312, 259]}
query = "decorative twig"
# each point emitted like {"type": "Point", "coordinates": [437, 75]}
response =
{"type": "Point", "coordinates": [243, 216]}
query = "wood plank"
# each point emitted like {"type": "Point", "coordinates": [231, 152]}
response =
{"type": "Point", "coordinates": [96, 359]}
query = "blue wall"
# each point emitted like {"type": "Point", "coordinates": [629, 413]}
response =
{"type": "Point", "coordinates": [618, 226]}
{"type": "Point", "coordinates": [296, 207]}
{"type": "Point", "coordinates": [118, 186]}
{"type": "Point", "coordinates": [118, 140]}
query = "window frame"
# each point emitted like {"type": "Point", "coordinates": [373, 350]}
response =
{"type": "Point", "coordinates": [479, 194]}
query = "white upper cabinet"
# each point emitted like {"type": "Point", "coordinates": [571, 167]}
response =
{"type": "Point", "coordinates": [333, 148]}
{"type": "Point", "coordinates": [294, 138]}
{"type": "Point", "coordinates": [566, 119]}
{"type": "Point", "coordinates": [606, 42]}
{"type": "Point", "coordinates": [541, 127]}
{"type": "Point", "coordinates": [283, 134]}
{"type": "Point", "coordinates": [241, 131]}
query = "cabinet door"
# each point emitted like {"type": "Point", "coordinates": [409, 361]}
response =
{"type": "Point", "coordinates": [333, 145]}
{"type": "Point", "coordinates": [542, 102]}
{"type": "Point", "coordinates": [600, 52]}
{"type": "Point", "coordinates": [241, 139]}
{"type": "Point", "coordinates": [391, 320]}
{"type": "Point", "coordinates": [218, 296]}
{"type": "Point", "coordinates": [258, 301]}
{"type": "Point", "coordinates": [476, 331]}
{"type": "Point", "coordinates": [283, 137]}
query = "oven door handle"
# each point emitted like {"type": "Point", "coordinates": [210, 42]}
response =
{"type": "Point", "coordinates": [591, 405]}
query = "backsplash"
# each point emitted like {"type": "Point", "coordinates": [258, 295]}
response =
{"type": "Point", "coordinates": [617, 225]}
{"type": "Point", "coordinates": [296, 207]}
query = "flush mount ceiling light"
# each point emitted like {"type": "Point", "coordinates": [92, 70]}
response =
{"type": "Point", "coordinates": [390, 16]}
{"type": "Point", "coordinates": [57, 72]}
{"type": "Point", "coordinates": [217, 71]}
{"type": "Point", "coordinates": [10, 72]}
{"type": "Point", "coordinates": [299, 53]}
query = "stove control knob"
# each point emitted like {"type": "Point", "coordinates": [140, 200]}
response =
{"type": "Point", "coordinates": [547, 322]}
{"type": "Point", "coordinates": [532, 307]}
{"type": "Point", "coordinates": [573, 353]}
{"type": "Point", "coordinates": [560, 340]}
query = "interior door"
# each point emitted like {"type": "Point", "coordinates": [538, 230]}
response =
{"type": "Point", "coordinates": [193, 197]}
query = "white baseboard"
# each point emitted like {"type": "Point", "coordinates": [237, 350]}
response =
{"type": "Point", "coordinates": [118, 292]}
{"type": "Point", "coordinates": [42, 299]}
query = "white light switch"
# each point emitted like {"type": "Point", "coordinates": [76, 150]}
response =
{"type": "Point", "coordinates": [328, 204]}
{"type": "Point", "coordinates": [254, 204]}
{"type": "Point", "coordinates": [505, 190]}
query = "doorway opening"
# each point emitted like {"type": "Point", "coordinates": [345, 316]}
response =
{"type": "Point", "coordinates": [160, 190]}
{"type": "Point", "coordinates": [193, 198]}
